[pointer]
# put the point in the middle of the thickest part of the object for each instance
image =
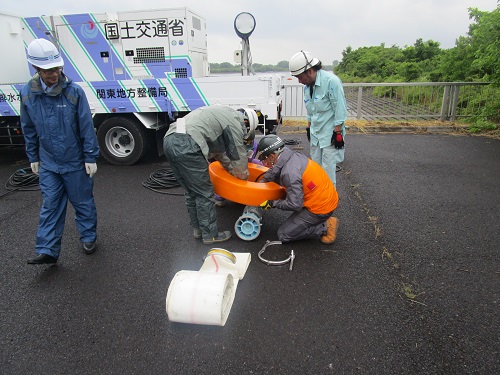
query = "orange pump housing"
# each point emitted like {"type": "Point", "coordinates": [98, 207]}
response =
{"type": "Point", "coordinates": [250, 192]}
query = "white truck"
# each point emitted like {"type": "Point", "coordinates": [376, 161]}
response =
{"type": "Point", "coordinates": [140, 71]}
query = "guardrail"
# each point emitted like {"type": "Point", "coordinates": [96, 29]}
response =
{"type": "Point", "coordinates": [400, 101]}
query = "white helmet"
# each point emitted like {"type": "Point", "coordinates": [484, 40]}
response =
{"type": "Point", "coordinates": [251, 121]}
{"type": "Point", "coordinates": [302, 61]}
{"type": "Point", "coordinates": [44, 54]}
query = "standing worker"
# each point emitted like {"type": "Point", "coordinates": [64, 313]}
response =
{"type": "Point", "coordinates": [62, 148]}
{"type": "Point", "coordinates": [326, 111]}
{"type": "Point", "coordinates": [310, 193]}
{"type": "Point", "coordinates": [205, 133]}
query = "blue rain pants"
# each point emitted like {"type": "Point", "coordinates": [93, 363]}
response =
{"type": "Point", "coordinates": [56, 189]}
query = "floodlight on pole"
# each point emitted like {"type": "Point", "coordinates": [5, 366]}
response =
{"type": "Point", "coordinates": [244, 25]}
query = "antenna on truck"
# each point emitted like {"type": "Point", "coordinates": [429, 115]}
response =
{"type": "Point", "coordinates": [244, 25]}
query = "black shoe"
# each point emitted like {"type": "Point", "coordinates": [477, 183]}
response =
{"type": "Point", "coordinates": [42, 259]}
{"type": "Point", "coordinates": [89, 247]}
{"type": "Point", "coordinates": [221, 237]}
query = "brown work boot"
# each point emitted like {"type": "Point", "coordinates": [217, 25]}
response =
{"type": "Point", "coordinates": [331, 232]}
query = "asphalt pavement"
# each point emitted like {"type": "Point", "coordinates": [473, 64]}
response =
{"type": "Point", "coordinates": [410, 286]}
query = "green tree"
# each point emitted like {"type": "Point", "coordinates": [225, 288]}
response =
{"type": "Point", "coordinates": [369, 64]}
{"type": "Point", "coordinates": [485, 41]}
{"type": "Point", "coordinates": [283, 65]}
{"type": "Point", "coordinates": [475, 56]}
{"type": "Point", "coordinates": [426, 50]}
{"type": "Point", "coordinates": [455, 63]}
{"type": "Point", "coordinates": [409, 71]}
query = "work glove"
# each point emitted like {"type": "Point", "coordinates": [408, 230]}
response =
{"type": "Point", "coordinates": [308, 134]}
{"type": "Point", "coordinates": [35, 166]}
{"type": "Point", "coordinates": [337, 140]}
{"type": "Point", "coordinates": [266, 205]}
{"type": "Point", "coordinates": [91, 168]}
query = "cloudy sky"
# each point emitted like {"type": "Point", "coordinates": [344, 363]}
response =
{"type": "Point", "coordinates": [323, 27]}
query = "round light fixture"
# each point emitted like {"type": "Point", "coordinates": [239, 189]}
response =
{"type": "Point", "coordinates": [244, 25]}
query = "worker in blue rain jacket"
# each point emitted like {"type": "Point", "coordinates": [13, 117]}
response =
{"type": "Point", "coordinates": [62, 148]}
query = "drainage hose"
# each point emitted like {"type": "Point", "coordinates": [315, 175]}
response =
{"type": "Point", "coordinates": [160, 180]}
{"type": "Point", "coordinates": [22, 180]}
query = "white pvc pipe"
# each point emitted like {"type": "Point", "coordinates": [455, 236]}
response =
{"type": "Point", "coordinates": [206, 296]}
{"type": "Point", "coordinates": [198, 297]}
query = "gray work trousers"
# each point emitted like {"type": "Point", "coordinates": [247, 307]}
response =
{"type": "Point", "coordinates": [190, 168]}
{"type": "Point", "coordinates": [303, 225]}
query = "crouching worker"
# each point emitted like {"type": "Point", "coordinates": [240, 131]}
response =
{"type": "Point", "coordinates": [205, 133]}
{"type": "Point", "coordinates": [310, 193]}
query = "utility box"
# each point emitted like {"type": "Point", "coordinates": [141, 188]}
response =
{"type": "Point", "coordinates": [14, 64]}
{"type": "Point", "coordinates": [237, 56]}
{"type": "Point", "coordinates": [130, 45]}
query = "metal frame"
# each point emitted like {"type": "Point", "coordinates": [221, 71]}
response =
{"type": "Point", "coordinates": [397, 101]}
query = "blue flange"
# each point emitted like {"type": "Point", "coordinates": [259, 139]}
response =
{"type": "Point", "coordinates": [247, 227]}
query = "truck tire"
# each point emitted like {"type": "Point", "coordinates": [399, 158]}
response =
{"type": "Point", "coordinates": [122, 141]}
{"type": "Point", "coordinates": [270, 128]}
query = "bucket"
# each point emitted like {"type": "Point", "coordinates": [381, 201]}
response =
{"type": "Point", "coordinates": [199, 297]}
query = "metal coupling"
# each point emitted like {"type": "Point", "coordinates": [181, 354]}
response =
{"type": "Point", "coordinates": [276, 262]}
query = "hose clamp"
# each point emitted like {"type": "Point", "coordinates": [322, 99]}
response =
{"type": "Point", "coordinates": [276, 262]}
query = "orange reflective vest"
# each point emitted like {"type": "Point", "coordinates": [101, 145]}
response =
{"type": "Point", "coordinates": [320, 196]}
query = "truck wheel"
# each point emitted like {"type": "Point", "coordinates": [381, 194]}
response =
{"type": "Point", "coordinates": [122, 141]}
{"type": "Point", "coordinates": [269, 129]}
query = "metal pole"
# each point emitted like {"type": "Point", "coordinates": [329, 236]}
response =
{"type": "Point", "coordinates": [445, 104]}
{"type": "Point", "coordinates": [454, 103]}
{"type": "Point", "coordinates": [244, 57]}
{"type": "Point", "coordinates": [55, 37]}
{"type": "Point", "coordinates": [358, 105]}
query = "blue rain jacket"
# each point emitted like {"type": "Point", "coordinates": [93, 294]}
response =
{"type": "Point", "coordinates": [57, 126]}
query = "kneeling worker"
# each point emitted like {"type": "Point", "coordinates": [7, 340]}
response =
{"type": "Point", "coordinates": [205, 133]}
{"type": "Point", "coordinates": [310, 193]}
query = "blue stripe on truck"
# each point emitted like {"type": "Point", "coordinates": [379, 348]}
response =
{"type": "Point", "coordinates": [91, 39]}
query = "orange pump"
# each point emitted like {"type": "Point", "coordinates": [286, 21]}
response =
{"type": "Point", "coordinates": [250, 192]}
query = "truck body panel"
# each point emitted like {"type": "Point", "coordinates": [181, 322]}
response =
{"type": "Point", "coordinates": [149, 66]}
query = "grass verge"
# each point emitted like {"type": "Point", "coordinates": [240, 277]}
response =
{"type": "Point", "coordinates": [394, 125]}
